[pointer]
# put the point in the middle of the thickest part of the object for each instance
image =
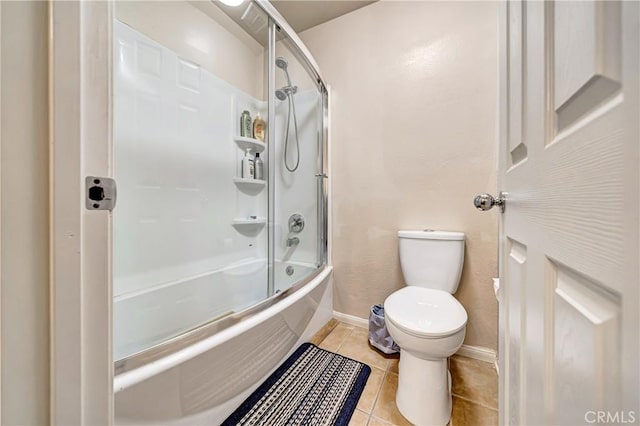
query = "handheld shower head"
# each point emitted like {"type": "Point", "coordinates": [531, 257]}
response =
{"type": "Point", "coordinates": [282, 63]}
{"type": "Point", "coordinates": [280, 94]}
{"type": "Point", "coordinates": [286, 91]}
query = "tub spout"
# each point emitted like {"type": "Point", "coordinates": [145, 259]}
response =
{"type": "Point", "coordinates": [293, 241]}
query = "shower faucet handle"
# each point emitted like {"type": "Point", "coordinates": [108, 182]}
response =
{"type": "Point", "coordinates": [296, 223]}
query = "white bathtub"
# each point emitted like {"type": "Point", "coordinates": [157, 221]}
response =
{"type": "Point", "coordinates": [146, 318]}
{"type": "Point", "coordinates": [204, 382]}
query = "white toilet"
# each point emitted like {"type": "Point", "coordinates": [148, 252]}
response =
{"type": "Point", "coordinates": [427, 322]}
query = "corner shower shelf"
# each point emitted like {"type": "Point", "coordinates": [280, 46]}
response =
{"type": "Point", "coordinates": [249, 143]}
{"type": "Point", "coordinates": [250, 182]}
{"type": "Point", "coordinates": [243, 221]}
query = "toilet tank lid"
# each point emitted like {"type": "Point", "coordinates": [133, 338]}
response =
{"type": "Point", "coordinates": [430, 234]}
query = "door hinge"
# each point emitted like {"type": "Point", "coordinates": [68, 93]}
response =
{"type": "Point", "coordinates": [101, 193]}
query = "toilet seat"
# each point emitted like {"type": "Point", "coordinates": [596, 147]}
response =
{"type": "Point", "coordinates": [425, 312]}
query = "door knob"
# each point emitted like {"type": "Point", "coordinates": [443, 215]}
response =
{"type": "Point", "coordinates": [486, 202]}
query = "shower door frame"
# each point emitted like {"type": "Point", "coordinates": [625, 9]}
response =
{"type": "Point", "coordinates": [80, 68]}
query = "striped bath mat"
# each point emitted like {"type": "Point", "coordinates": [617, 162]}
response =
{"type": "Point", "coordinates": [312, 387]}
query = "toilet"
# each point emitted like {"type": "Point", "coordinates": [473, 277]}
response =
{"type": "Point", "coordinates": [427, 322]}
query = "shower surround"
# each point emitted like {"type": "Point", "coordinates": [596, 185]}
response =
{"type": "Point", "coordinates": [210, 293]}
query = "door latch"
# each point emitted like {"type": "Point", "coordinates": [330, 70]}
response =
{"type": "Point", "coordinates": [101, 193]}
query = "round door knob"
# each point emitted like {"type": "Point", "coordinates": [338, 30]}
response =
{"type": "Point", "coordinates": [486, 202]}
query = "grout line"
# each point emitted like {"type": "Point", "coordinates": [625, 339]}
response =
{"type": "Point", "coordinates": [375, 400]}
{"type": "Point", "coordinates": [344, 340]}
{"type": "Point", "coordinates": [475, 402]}
{"type": "Point", "coordinates": [381, 420]}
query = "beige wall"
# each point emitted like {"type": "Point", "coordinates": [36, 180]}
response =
{"type": "Point", "coordinates": [211, 40]}
{"type": "Point", "coordinates": [24, 214]}
{"type": "Point", "coordinates": [300, 77]}
{"type": "Point", "coordinates": [414, 139]}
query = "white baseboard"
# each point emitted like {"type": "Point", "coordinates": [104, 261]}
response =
{"type": "Point", "coordinates": [475, 352]}
{"type": "Point", "coordinates": [351, 320]}
{"type": "Point", "coordinates": [478, 352]}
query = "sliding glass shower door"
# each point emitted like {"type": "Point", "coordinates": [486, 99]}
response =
{"type": "Point", "coordinates": [190, 234]}
{"type": "Point", "coordinates": [198, 239]}
{"type": "Point", "coordinates": [297, 177]}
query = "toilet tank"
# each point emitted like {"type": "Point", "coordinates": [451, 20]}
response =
{"type": "Point", "coordinates": [432, 259]}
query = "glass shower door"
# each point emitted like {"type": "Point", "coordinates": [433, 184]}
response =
{"type": "Point", "coordinates": [297, 175]}
{"type": "Point", "coordinates": [196, 240]}
{"type": "Point", "coordinates": [190, 232]}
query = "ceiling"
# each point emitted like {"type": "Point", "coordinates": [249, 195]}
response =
{"type": "Point", "coordinates": [300, 14]}
{"type": "Point", "coordinates": [304, 14]}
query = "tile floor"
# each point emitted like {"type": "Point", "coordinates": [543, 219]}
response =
{"type": "Point", "coordinates": [475, 383]}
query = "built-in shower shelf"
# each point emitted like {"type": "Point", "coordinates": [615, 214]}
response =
{"type": "Point", "coordinates": [250, 182]}
{"type": "Point", "coordinates": [249, 143]}
{"type": "Point", "coordinates": [243, 221]}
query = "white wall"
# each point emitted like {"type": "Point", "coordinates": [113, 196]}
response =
{"type": "Point", "coordinates": [230, 54]}
{"type": "Point", "coordinates": [24, 212]}
{"type": "Point", "coordinates": [414, 87]}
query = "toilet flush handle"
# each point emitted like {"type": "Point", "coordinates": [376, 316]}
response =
{"type": "Point", "coordinates": [486, 201]}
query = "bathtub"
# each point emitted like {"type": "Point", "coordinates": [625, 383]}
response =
{"type": "Point", "coordinates": [204, 382]}
{"type": "Point", "coordinates": [149, 317]}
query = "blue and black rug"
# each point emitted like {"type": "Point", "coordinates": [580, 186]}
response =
{"type": "Point", "coordinates": [312, 387]}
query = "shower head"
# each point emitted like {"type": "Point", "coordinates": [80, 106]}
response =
{"type": "Point", "coordinates": [282, 63]}
{"type": "Point", "coordinates": [286, 91]}
{"type": "Point", "coordinates": [280, 94]}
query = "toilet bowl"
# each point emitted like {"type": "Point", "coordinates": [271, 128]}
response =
{"type": "Point", "coordinates": [427, 323]}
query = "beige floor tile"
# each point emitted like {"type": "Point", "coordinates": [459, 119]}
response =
{"type": "Point", "coordinates": [474, 380]}
{"type": "Point", "coordinates": [324, 332]}
{"type": "Point", "coordinates": [359, 419]}
{"type": "Point", "coordinates": [357, 346]}
{"type": "Point", "coordinates": [394, 363]}
{"type": "Point", "coordinates": [466, 413]}
{"type": "Point", "coordinates": [368, 397]}
{"type": "Point", "coordinates": [385, 408]}
{"type": "Point", "coordinates": [335, 339]}
{"type": "Point", "coordinates": [374, 421]}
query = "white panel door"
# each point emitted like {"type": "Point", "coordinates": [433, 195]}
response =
{"type": "Point", "coordinates": [569, 235]}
